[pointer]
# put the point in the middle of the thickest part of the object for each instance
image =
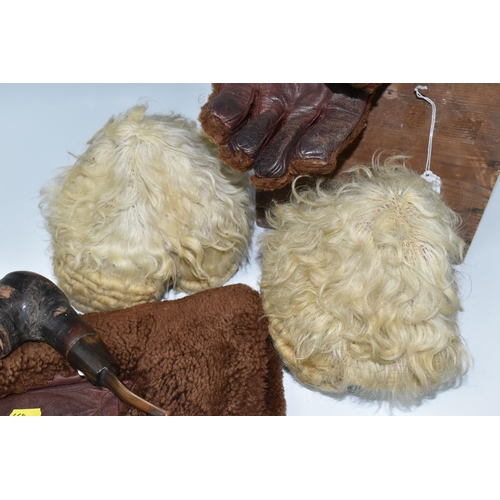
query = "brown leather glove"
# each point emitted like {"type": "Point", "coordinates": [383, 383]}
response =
{"type": "Point", "coordinates": [282, 130]}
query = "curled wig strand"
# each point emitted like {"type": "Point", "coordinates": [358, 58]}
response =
{"type": "Point", "coordinates": [359, 286]}
{"type": "Point", "coordinates": [148, 205]}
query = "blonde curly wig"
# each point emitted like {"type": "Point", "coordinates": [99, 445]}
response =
{"type": "Point", "coordinates": [148, 205]}
{"type": "Point", "coordinates": [359, 286]}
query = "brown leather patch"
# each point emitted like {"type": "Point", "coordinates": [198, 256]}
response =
{"type": "Point", "coordinates": [65, 396]}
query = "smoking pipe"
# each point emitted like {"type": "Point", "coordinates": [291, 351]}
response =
{"type": "Point", "coordinates": [32, 308]}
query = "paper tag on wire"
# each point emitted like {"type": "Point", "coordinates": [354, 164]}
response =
{"type": "Point", "coordinates": [433, 179]}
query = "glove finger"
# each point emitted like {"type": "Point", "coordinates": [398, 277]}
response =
{"type": "Point", "coordinates": [233, 104]}
{"type": "Point", "coordinates": [328, 133]}
{"type": "Point", "coordinates": [256, 133]}
{"type": "Point", "coordinates": [275, 158]}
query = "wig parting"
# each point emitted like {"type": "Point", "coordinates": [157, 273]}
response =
{"type": "Point", "coordinates": [359, 285]}
{"type": "Point", "coordinates": [148, 205]}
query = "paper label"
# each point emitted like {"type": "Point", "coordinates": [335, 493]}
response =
{"type": "Point", "coordinates": [433, 179]}
{"type": "Point", "coordinates": [26, 412]}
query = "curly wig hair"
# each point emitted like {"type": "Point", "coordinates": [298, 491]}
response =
{"type": "Point", "coordinates": [359, 286]}
{"type": "Point", "coordinates": [147, 206]}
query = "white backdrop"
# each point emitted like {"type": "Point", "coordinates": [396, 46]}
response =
{"type": "Point", "coordinates": [42, 124]}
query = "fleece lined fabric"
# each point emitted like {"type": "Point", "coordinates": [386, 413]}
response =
{"type": "Point", "coordinates": [206, 354]}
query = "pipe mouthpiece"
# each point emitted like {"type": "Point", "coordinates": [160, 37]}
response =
{"type": "Point", "coordinates": [121, 391]}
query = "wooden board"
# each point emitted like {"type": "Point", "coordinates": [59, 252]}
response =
{"type": "Point", "coordinates": [466, 142]}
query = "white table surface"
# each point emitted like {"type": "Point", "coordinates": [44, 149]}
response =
{"type": "Point", "coordinates": [41, 124]}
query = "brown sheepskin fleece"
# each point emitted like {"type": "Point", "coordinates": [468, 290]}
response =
{"type": "Point", "coordinates": [205, 354]}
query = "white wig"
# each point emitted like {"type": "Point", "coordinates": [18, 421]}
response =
{"type": "Point", "coordinates": [359, 286]}
{"type": "Point", "coordinates": [148, 205]}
